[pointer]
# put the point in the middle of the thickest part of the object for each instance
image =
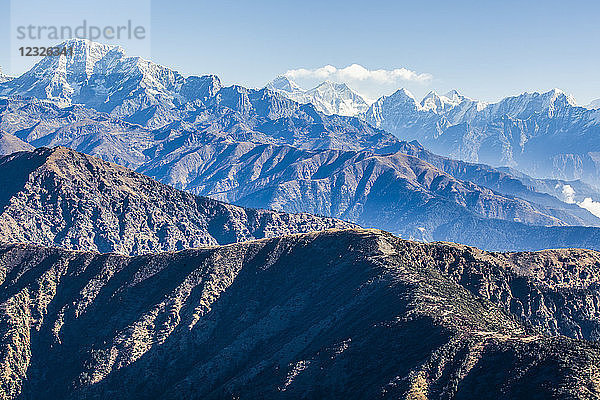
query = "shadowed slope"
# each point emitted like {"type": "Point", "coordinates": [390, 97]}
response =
{"type": "Point", "coordinates": [349, 314]}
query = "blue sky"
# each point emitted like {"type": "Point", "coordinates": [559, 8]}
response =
{"type": "Point", "coordinates": [487, 50]}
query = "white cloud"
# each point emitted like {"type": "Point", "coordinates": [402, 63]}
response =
{"type": "Point", "coordinates": [356, 72]}
{"type": "Point", "coordinates": [590, 205]}
{"type": "Point", "coordinates": [568, 194]}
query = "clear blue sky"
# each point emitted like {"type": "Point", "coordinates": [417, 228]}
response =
{"type": "Point", "coordinates": [486, 49]}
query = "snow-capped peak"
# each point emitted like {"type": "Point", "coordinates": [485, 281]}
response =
{"type": "Point", "coordinates": [337, 98]}
{"type": "Point", "coordinates": [85, 55]}
{"type": "Point", "coordinates": [432, 101]}
{"type": "Point", "coordinates": [329, 85]}
{"type": "Point", "coordinates": [436, 103]}
{"type": "Point", "coordinates": [456, 97]}
{"type": "Point", "coordinates": [328, 97]}
{"type": "Point", "coordinates": [559, 95]}
{"type": "Point", "coordinates": [285, 84]}
{"type": "Point", "coordinates": [98, 75]}
{"type": "Point", "coordinates": [334, 90]}
{"type": "Point", "coordinates": [529, 103]}
{"type": "Point", "coordinates": [404, 95]}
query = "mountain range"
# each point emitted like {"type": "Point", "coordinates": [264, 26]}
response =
{"type": "Point", "coordinates": [396, 192]}
{"type": "Point", "coordinates": [546, 135]}
{"type": "Point", "coordinates": [257, 148]}
{"type": "Point", "coordinates": [63, 198]}
{"type": "Point", "coordinates": [136, 91]}
{"type": "Point", "coordinates": [410, 192]}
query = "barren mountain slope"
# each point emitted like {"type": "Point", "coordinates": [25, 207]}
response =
{"type": "Point", "coordinates": [64, 198]}
{"type": "Point", "coordinates": [343, 314]}
{"type": "Point", "coordinates": [10, 144]}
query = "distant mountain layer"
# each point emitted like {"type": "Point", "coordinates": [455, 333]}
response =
{"type": "Point", "coordinates": [543, 134]}
{"type": "Point", "coordinates": [11, 144]}
{"type": "Point", "coordinates": [553, 193]}
{"type": "Point", "coordinates": [43, 124]}
{"type": "Point", "coordinates": [594, 105]}
{"type": "Point", "coordinates": [63, 198]}
{"type": "Point", "coordinates": [234, 114]}
{"type": "Point", "coordinates": [328, 97]}
{"type": "Point", "coordinates": [391, 191]}
{"type": "Point", "coordinates": [140, 92]}
{"type": "Point", "coordinates": [395, 192]}
{"type": "Point", "coordinates": [350, 314]}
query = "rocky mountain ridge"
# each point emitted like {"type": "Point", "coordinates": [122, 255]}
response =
{"type": "Point", "coordinates": [396, 192]}
{"type": "Point", "coordinates": [232, 114]}
{"type": "Point", "coordinates": [399, 320]}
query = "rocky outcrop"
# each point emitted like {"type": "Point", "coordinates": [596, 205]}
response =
{"type": "Point", "coordinates": [556, 291]}
{"type": "Point", "coordinates": [41, 123]}
{"type": "Point", "coordinates": [341, 314]}
{"type": "Point", "coordinates": [58, 197]}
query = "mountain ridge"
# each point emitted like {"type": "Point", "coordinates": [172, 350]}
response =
{"type": "Point", "coordinates": [251, 319]}
{"type": "Point", "coordinates": [64, 198]}
{"type": "Point", "coordinates": [182, 157]}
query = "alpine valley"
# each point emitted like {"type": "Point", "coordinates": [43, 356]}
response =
{"type": "Point", "coordinates": [164, 236]}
